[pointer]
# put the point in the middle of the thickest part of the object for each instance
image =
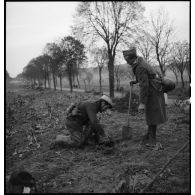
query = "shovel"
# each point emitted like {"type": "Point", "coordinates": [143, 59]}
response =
{"type": "Point", "coordinates": [127, 130]}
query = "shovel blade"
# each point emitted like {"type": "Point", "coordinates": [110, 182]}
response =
{"type": "Point", "coordinates": [126, 133]}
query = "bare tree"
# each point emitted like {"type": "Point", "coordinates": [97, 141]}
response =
{"type": "Point", "coordinates": [160, 37]}
{"type": "Point", "coordinates": [81, 61]}
{"type": "Point", "coordinates": [84, 80]}
{"type": "Point", "coordinates": [30, 72]}
{"type": "Point", "coordinates": [43, 63]}
{"type": "Point", "coordinates": [89, 78]}
{"type": "Point", "coordinates": [119, 74]}
{"type": "Point", "coordinates": [180, 56]}
{"type": "Point", "coordinates": [173, 67]}
{"type": "Point", "coordinates": [145, 47]}
{"type": "Point", "coordinates": [46, 67]}
{"type": "Point", "coordinates": [86, 77]}
{"type": "Point", "coordinates": [100, 58]}
{"type": "Point", "coordinates": [72, 51]}
{"type": "Point", "coordinates": [188, 69]}
{"type": "Point", "coordinates": [112, 22]}
{"type": "Point", "coordinates": [53, 50]}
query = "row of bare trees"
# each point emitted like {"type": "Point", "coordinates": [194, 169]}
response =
{"type": "Point", "coordinates": [100, 58]}
{"type": "Point", "coordinates": [114, 26]}
{"type": "Point", "coordinates": [59, 59]}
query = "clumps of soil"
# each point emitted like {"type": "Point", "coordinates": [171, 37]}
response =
{"type": "Point", "coordinates": [121, 104]}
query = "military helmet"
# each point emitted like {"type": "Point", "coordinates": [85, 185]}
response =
{"type": "Point", "coordinates": [131, 52]}
{"type": "Point", "coordinates": [107, 99]}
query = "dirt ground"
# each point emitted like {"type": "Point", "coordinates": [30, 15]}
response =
{"type": "Point", "coordinates": [34, 118]}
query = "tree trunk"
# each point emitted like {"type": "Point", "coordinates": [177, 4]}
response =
{"type": "Point", "coordinates": [189, 77]}
{"type": "Point", "coordinates": [89, 86]}
{"type": "Point", "coordinates": [48, 77]}
{"type": "Point", "coordinates": [73, 78]}
{"type": "Point", "coordinates": [162, 69]}
{"type": "Point", "coordinates": [78, 82]}
{"type": "Point", "coordinates": [45, 82]}
{"type": "Point", "coordinates": [61, 83]}
{"type": "Point", "coordinates": [39, 82]}
{"type": "Point", "coordinates": [182, 80]}
{"type": "Point", "coordinates": [111, 75]}
{"type": "Point", "coordinates": [176, 79]}
{"type": "Point", "coordinates": [85, 85]}
{"type": "Point", "coordinates": [54, 81]}
{"type": "Point", "coordinates": [100, 79]}
{"type": "Point", "coordinates": [116, 85]}
{"type": "Point", "coordinates": [70, 80]}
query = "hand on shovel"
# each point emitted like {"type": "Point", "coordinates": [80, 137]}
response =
{"type": "Point", "coordinates": [141, 108]}
{"type": "Point", "coordinates": [132, 83]}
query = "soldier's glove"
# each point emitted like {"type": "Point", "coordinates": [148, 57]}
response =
{"type": "Point", "coordinates": [107, 141]}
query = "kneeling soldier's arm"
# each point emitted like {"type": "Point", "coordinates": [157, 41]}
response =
{"type": "Point", "coordinates": [94, 122]}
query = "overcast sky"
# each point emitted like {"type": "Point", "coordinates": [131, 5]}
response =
{"type": "Point", "coordinates": [30, 25]}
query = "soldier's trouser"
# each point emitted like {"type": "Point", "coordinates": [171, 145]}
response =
{"type": "Point", "coordinates": [80, 134]}
{"type": "Point", "coordinates": [152, 131]}
{"type": "Point", "coordinates": [76, 136]}
{"type": "Point", "coordinates": [151, 134]}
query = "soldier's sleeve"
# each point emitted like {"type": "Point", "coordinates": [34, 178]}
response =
{"type": "Point", "coordinates": [94, 122]}
{"type": "Point", "coordinates": [142, 77]}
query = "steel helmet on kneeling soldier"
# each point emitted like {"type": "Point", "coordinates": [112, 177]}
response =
{"type": "Point", "coordinates": [107, 99]}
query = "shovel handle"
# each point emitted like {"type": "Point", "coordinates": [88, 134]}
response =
{"type": "Point", "coordinates": [130, 88]}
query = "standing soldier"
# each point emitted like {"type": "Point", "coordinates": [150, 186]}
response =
{"type": "Point", "coordinates": [83, 125]}
{"type": "Point", "coordinates": [152, 100]}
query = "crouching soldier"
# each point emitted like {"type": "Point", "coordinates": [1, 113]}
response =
{"type": "Point", "coordinates": [83, 125]}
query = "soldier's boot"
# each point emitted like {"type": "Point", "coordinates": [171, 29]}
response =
{"type": "Point", "coordinates": [62, 141]}
{"type": "Point", "coordinates": [149, 139]}
{"type": "Point", "coordinates": [154, 132]}
{"type": "Point", "coordinates": [106, 141]}
{"type": "Point", "coordinates": [145, 138]}
{"type": "Point", "coordinates": [151, 135]}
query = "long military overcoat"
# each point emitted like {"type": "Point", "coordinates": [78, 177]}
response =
{"type": "Point", "coordinates": [153, 99]}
